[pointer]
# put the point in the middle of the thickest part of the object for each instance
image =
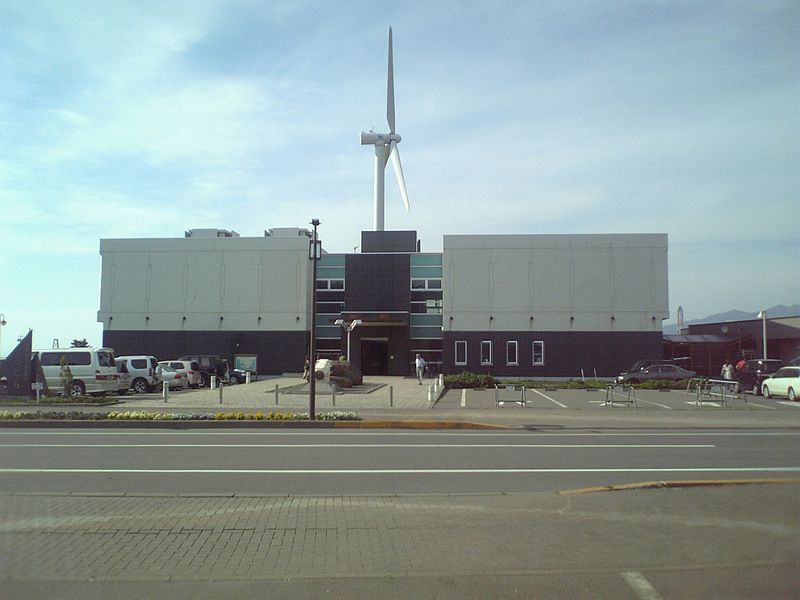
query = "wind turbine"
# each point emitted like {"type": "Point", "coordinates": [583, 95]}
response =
{"type": "Point", "coordinates": [385, 150]}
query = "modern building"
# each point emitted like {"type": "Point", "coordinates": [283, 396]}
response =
{"type": "Point", "coordinates": [509, 305]}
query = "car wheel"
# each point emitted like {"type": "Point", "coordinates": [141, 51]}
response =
{"type": "Point", "coordinates": [755, 390]}
{"type": "Point", "coordinates": [203, 381]}
{"type": "Point", "coordinates": [77, 389]}
{"type": "Point", "coordinates": [791, 395]}
{"type": "Point", "coordinates": [140, 386]}
{"type": "Point", "coordinates": [765, 391]}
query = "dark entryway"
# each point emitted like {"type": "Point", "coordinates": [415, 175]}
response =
{"type": "Point", "coordinates": [375, 356]}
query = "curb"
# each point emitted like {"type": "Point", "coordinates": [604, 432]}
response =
{"type": "Point", "coordinates": [689, 483]}
{"type": "Point", "coordinates": [244, 424]}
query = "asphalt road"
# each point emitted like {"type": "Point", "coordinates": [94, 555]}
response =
{"type": "Point", "coordinates": [379, 462]}
{"type": "Point", "coordinates": [396, 514]}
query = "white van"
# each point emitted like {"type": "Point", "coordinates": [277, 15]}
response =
{"type": "Point", "coordinates": [94, 370]}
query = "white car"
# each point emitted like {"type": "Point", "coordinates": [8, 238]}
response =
{"type": "Point", "coordinates": [189, 369]}
{"type": "Point", "coordinates": [173, 378]}
{"type": "Point", "coordinates": [784, 382]}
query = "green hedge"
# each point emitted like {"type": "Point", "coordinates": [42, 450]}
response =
{"type": "Point", "coordinates": [470, 380]}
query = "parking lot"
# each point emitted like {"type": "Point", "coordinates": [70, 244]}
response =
{"type": "Point", "coordinates": [603, 400]}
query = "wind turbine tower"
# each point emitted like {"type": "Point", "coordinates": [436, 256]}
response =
{"type": "Point", "coordinates": [385, 150]}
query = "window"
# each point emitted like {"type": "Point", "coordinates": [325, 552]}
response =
{"type": "Point", "coordinates": [53, 359]}
{"type": "Point", "coordinates": [330, 284]}
{"type": "Point", "coordinates": [426, 284]}
{"type": "Point", "coordinates": [461, 352]}
{"type": "Point", "coordinates": [511, 353]}
{"type": "Point", "coordinates": [486, 352]}
{"type": "Point", "coordinates": [538, 353]}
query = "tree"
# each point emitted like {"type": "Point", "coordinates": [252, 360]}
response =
{"type": "Point", "coordinates": [79, 343]}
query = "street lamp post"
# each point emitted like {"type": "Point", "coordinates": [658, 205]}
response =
{"type": "Point", "coordinates": [314, 251]}
{"type": "Point", "coordinates": [349, 327]}
{"type": "Point", "coordinates": [763, 316]}
{"type": "Point", "coordinates": [2, 323]}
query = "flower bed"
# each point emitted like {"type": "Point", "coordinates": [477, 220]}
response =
{"type": "Point", "coordinates": [140, 415]}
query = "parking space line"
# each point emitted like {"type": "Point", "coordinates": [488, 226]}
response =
{"type": "Point", "coordinates": [762, 405]}
{"type": "Point", "coordinates": [794, 404]}
{"type": "Point", "coordinates": [656, 403]}
{"type": "Point", "coordinates": [549, 398]}
{"type": "Point", "coordinates": [641, 586]}
{"type": "Point", "coordinates": [464, 398]}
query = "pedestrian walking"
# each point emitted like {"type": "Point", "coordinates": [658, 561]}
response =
{"type": "Point", "coordinates": [419, 363]}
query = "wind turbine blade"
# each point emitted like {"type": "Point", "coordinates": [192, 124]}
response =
{"type": "Point", "coordinates": [390, 88]}
{"type": "Point", "coordinates": [394, 155]}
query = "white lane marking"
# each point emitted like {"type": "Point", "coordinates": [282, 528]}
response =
{"type": "Point", "coordinates": [549, 398]}
{"type": "Point", "coordinates": [459, 446]}
{"type": "Point", "coordinates": [761, 405]}
{"type": "Point", "coordinates": [641, 586]}
{"type": "Point", "coordinates": [405, 471]}
{"type": "Point", "coordinates": [794, 404]}
{"type": "Point", "coordinates": [656, 403]}
{"type": "Point", "coordinates": [464, 398]}
{"type": "Point", "coordinates": [705, 403]}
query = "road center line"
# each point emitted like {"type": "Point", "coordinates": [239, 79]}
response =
{"type": "Point", "coordinates": [402, 471]}
{"type": "Point", "coordinates": [641, 586]}
{"type": "Point", "coordinates": [549, 398]}
{"type": "Point", "coordinates": [459, 446]}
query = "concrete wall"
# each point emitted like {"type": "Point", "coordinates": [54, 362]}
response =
{"type": "Point", "coordinates": [205, 284]}
{"type": "Point", "coordinates": [555, 282]}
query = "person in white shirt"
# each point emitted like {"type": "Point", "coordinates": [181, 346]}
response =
{"type": "Point", "coordinates": [420, 364]}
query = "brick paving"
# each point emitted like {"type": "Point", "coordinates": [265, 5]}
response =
{"type": "Point", "coordinates": [151, 538]}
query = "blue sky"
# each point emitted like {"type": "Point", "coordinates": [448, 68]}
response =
{"type": "Point", "coordinates": [144, 119]}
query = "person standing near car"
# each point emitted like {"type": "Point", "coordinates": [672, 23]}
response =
{"type": "Point", "coordinates": [727, 370]}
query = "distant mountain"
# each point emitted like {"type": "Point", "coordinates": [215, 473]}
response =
{"type": "Point", "coordinates": [740, 315]}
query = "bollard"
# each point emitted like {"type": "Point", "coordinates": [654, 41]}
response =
{"type": "Point", "coordinates": [276, 394]}
{"type": "Point", "coordinates": [165, 391]}
{"type": "Point", "coordinates": [441, 380]}
{"type": "Point", "coordinates": [247, 377]}
{"type": "Point", "coordinates": [333, 395]}
{"type": "Point", "coordinates": [221, 385]}
{"type": "Point", "coordinates": [213, 384]}
{"type": "Point", "coordinates": [391, 396]}
{"type": "Point", "coordinates": [430, 393]}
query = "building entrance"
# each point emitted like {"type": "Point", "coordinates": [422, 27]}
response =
{"type": "Point", "coordinates": [375, 356]}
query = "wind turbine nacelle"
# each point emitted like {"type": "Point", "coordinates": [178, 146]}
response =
{"type": "Point", "coordinates": [374, 139]}
{"type": "Point", "coordinates": [371, 138]}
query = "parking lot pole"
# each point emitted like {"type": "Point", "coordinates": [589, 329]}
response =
{"type": "Point", "coordinates": [391, 397]}
{"type": "Point", "coordinates": [165, 390]}
{"type": "Point", "coordinates": [221, 385]}
{"type": "Point", "coordinates": [315, 250]}
{"type": "Point", "coordinates": [276, 394]}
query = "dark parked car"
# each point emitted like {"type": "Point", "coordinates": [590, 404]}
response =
{"type": "Point", "coordinates": [661, 371]}
{"type": "Point", "coordinates": [756, 371]}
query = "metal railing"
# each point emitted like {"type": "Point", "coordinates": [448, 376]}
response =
{"type": "Point", "coordinates": [627, 393]}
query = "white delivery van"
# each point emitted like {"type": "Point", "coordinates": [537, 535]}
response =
{"type": "Point", "coordinates": [94, 370]}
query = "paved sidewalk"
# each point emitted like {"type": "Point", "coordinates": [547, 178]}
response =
{"type": "Point", "coordinates": [719, 539]}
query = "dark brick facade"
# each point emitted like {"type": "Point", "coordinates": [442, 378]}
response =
{"type": "Point", "coordinates": [565, 352]}
{"type": "Point", "coordinates": [277, 351]}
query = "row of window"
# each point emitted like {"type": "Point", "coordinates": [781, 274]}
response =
{"type": "Point", "coordinates": [416, 284]}
{"type": "Point", "coordinates": [512, 353]}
